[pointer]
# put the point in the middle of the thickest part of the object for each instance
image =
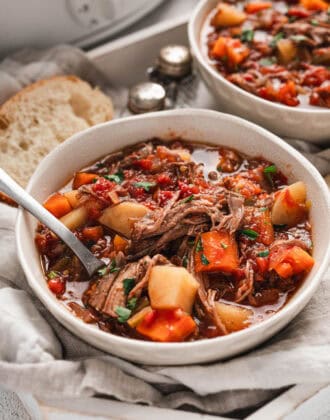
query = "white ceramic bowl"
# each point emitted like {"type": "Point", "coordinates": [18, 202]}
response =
{"type": "Point", "coordinates": [202, 126]}
{"type": "Point", "coordinates": [310, 124]}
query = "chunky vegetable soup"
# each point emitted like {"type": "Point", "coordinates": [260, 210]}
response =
{"type": "Point", "coordinates": [198, 241]}
{"type": "Point", "coordinates": [278, 50]}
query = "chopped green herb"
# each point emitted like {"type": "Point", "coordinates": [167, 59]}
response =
{"type": "Point", "coordinates": [118, 177]}
{"type": "Point", "coordinates": [265, 62]}
{"type": "Point", "coordinates": [314, 22]}
{"type": "Point", "coordinates": [132, 303]}
{"type": "Point", "coordinates": [224, 246]}
{"type": "Point", "coordinates": [275, 39]}
{"type": "Point", "coordinates": [270, 169]}
{"type": "Point", "coordinates": [298, 38]}
{"type": "Point", "coordinates": [263, 209]}
{"type": "Point", "coordinates": [247, 35]}
{"type": "Point", "coordinates": [219, 169]}
{"type": "Point", "coordinates": [185, 261]}
{"type": "Point", "coordinates": [102, 271]}
{"type": "Point", "coordinates": [191, 242]}
{"type": "Point", "coordinates": [204, 260]}
{"type": "Point", "coordinates": [199, 245]}
{"type": "Point", "coordinates": [250, 233]}
{"type": "Point", "coordinates": [94, 180]}
{"type": "Point", "coordinates": [145, 185]}
{"type": "Point", "coordinates": [128, 285]}
{"type": "Point", "coordinates": [52, 275]}
{"type": "Point", "coordinates": [188, 199]}
{"type": "Point", "coordinates": [113, 266]}
{"type": "Point", "coordinates": [123, 313]}
{"type": "Point", "coordinates": [264, 253]}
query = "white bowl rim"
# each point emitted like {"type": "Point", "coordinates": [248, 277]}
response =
{"type": "Point", "coordinates": [57, 306]}
{"type": "Point", "coordinates": [194, 43]}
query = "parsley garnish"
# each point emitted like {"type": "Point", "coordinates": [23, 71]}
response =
{"type": "Point", "coordinates": [52, 275]}
{"type": "Point", "coordinates": [265, 62]}
{"type": "Point", "coordinates": [204, 260]}
{"type": "Point", "coordinates": [145, 185]}
{"type": "Point", "coordinates": [275, 39]}
{"type": "Point", "coordinates": [113, 267]}
{"type": "Point", "coordinates": [314, 22]}
{"type": "Point", "coordinates": [128, 285]}
{"type": "Point", "coordinates": [132, 303]}
{"type": "Point", "coordinates": [264, 253]}
{"type": "Point", "coordinates": [102, 271]}
{"type": "Point", "coordinates": [298, 38]}
{"type": "Point", "coordinates": [123, 313]}
{"type": "Point", "coordinates": [263, 209]}
{"type": "Point", "coordinates": [247, 35]}
{"type": "Point", "coordinates": [188, 199]}
{"type": "Point", "coordinates": [270, 169]}
{"type": "Point", "coordinates": [118, 177]}
{"type": "Point", "coordinates": [199, 245]}
{"type": "Point", "coordinates": [223, 245]}
{"type": "Point", "coordinates": [250, 233]}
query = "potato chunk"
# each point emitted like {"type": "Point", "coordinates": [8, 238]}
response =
{"type": "Point", "coordinates": [76, 218]}
{"type": "Point", "coordinates": [172, 287]}
{"type": "Point", "coordinates": [72, 197]}
{"type": "Point", "coordinates": [287, 50]}
{"type": "Point", "coordinates": [227, 16]}
{"type": "Point", "coordinates": [234, 317]}
{"type": "Point", "coordinates": [290, 205]}
{"type": "Point", "coordinates": [122, 217]}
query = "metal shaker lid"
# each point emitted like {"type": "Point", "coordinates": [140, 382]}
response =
{"type": "Point", "coordinates": [146, 97]}
{"type": "Point", "coordinates": [174, 60]}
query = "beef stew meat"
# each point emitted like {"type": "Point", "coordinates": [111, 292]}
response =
{"type": "Point", "coordinates": [198, 241]}
{"type": "Point", "coordinates": [277, 50]}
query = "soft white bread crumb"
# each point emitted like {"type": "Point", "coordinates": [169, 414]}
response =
{"type": "Point", "coordinates": [41, 116]}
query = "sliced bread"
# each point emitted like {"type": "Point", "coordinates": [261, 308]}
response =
{"type": "Point", "coordinates": [41, 116]}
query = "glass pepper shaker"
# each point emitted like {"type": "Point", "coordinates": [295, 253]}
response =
{"type": "Point", "coordinates": [173, 70]}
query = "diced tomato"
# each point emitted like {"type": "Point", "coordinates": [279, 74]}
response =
{"type": "Point", "coordinates": [262, 264]}
{"type": "Point", "coordinates": [166, 325]}
{"type": "Point", "coordinates": [257, 6]}
{"type": "Point", "coordinates": [216, 251]}
{"type": "Point", "coordinates": [139, 193]}
{"type": "Point", "coordinates": [145, 164]}
{"type": "Point", "coordinates": [321, 96]}
{"type": "Point", "coordinates": [288, 94]}
{"type": "Point", "coordinates": [83, 178]}
{"type": "Point", "coordinates": [316, 76]}
{"type": "Point", "coordinates": [164, 180]}
{"type": "Point", "coordinates": [92, 233]}
{"type": "Point", "coordinates": [298, 12]}
{"type": "Point", "coordinates": [315, 5]}
{"type": "Point", "coordinates": [288, 261]}
{"type": "Point", "coordinates": [58, 205]}
{"type": "Point", "coordinates": [164, 196]}
{"type": "Point", "coordinates": [102, 187]}
{"type": "Point", "coordinates": [56, 286]}
{"type": "Point", "coordinates": [187, 189]}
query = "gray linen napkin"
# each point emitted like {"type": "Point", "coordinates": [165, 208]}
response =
{"type": "Point", "coordinates": [39, 356]}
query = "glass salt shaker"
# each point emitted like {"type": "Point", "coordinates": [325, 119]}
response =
{"type": "Point", "coordinates": [173, 70]}
{"type": "Point", "coordinates": [145, 97]}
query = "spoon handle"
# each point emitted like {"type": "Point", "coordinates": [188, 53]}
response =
{"type": "Point", "coordinates": [17, 193]}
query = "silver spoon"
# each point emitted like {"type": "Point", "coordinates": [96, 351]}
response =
{"type": "Point", "coordinates": [17, 193]}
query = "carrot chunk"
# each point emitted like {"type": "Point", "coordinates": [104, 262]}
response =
{"type": "Point", "coordinates": [216, 251]}
{"type": "Point", "coordinates": [290, 261]}
{"type": "Point", "coordinates": [93, 233]}
{"type": "Point", "coordinates": [230, 49]}
{"type": "Point", "coordinates": [257, 6]}
{"type": "Point", "coordinates": [119, 243]}
{"type": "Point", "coordinates": [58, 205]}
{"type": "Point", "coordinates": [166, 325]}
{"type": "Point", "coordinates": [82, 178]}
{"type": "Point", "coordinates": [315, 5]}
